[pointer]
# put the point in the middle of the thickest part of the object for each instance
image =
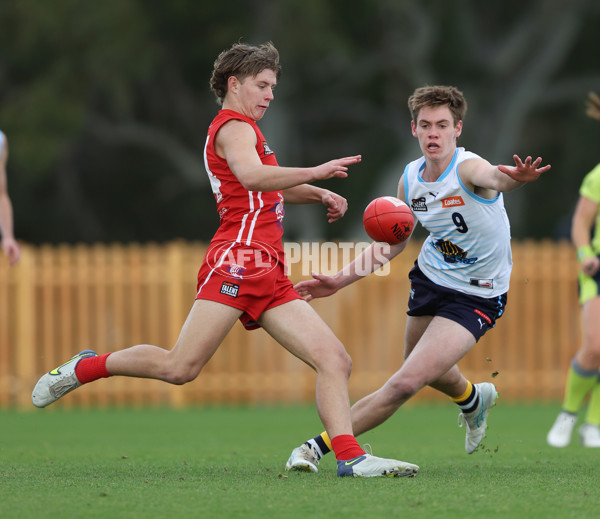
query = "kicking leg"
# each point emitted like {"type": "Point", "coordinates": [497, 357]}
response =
{"type": "Point", "coordinates": [297, 327]}
{"type": "Point", "coordinates": [205, 328]}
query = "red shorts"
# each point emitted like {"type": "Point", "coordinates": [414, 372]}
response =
{"type": "Point", "coordinates": [249, 280]}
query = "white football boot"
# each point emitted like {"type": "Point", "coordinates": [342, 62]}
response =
{"type": "Point", "coordinates": [476, 421]}
{"type": "Point", "coordinates": [589, 434]}
{"type": "Point", "coordinates": [560, 434]}
{"type": "Point", "coordinates": [369, 466]}
{"type": "Point", "coordinates": [59, 381]}
{"type": "Point", "coordinates": [303, 458]}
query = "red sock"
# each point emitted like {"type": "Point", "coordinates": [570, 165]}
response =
{"type": "Point", "coordinates": [89, 369]}
{"type": "Point", "coordinates": [346, 447]}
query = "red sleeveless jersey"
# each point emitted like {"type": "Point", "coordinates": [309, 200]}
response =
{"type": "Point", "coordinates": [251, 218]}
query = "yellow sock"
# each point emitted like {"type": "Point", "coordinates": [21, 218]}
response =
{"type": "Point", "coordinates": [321, 443]}
{"type": "Point", "coordinates": [469, 400]}
{"type": "Point", "coordinates": [465, 395]}
{"type": "Point", "coordinates": [326, 439]}
{"type": "Point", "coordinates": [579, 383]}
{"type": "Point", "coordinates": [593, 411]}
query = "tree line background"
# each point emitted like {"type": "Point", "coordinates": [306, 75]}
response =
{"type": "Point", "coordinates": [106, 104]}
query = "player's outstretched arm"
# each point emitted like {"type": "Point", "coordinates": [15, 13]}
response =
{"type": "Point", "coordinates": [262, 177]}
{"type": "Point", "coordinates": [372, 258]}
{"type": "Point", "coordinates": [480, 173]}
{"type": "Point", "coordinates": [522, 172]}
{"type": "Point", "coordinates": [236, 143]}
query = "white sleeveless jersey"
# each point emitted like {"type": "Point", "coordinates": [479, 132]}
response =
{"type": "Point", "coordinates": [468, 248]}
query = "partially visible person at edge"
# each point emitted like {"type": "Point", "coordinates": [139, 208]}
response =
{"type": "Point", "coordinates": [9, 244]}
{"type": "Point", "coordinates": [584, 372]}
{"type": "Point", "coordinates": [460, 280]}
{"type": "Point", "coordinates": [242, 276]}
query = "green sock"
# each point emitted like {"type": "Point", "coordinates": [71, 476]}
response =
{"type": "Point", "coordinates": [579, 383]}
{"type": "Point", "coordinates": [593, 411]}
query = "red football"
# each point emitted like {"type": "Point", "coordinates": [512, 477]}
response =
{"type": "Point", "coordinates": [388, 219]}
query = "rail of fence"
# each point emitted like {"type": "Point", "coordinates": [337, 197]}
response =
{"type": "Point", "coordinates": [61, 299]}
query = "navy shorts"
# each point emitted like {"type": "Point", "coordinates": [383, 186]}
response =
{"type": "Point", "coordinates": [476, 314]}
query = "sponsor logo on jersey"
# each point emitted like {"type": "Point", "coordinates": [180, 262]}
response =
{"type": "Point", "coordinates": [452, 201]}
{"type": "Point", "coordinates": [279, 209]}
{"type": "Point", "coordinates": [230, 289]}
{"type": "Point", "coordinates": [453, 253]}
{"type": "Point", "coordinates": [483, 283]}
{"type": "Point", "coordinates": [419, 204]}
{"type": "Point", "coordinates": [266, 148]}
{"type": "Point", "coordinates": [236, 271]}
{"type": "Point", "coordinates": [481, 314]}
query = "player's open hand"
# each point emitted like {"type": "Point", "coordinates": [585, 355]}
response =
{"type": "Point", "coordinates": [336, 206]}
{"type": "Point", "coordinates": [337, 168]}
{"type": "Point", "coordinates": [527, 171]}
{"type": "Point", "coordinates": [320, 286]}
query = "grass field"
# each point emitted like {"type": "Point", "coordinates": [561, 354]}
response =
{"type": "Point", "coordinates": [228, 463]}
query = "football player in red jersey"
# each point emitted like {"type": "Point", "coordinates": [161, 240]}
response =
{"type": "Point", "coordinates": [242, 276]}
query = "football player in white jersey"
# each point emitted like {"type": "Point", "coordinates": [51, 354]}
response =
{"type": "Point", "coordinates": [460, 279]}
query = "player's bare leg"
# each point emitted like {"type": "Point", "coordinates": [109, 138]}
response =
{"type": "Point", "coordinates": [474, 400]}
{"type": "Point", "coordinates": [431, 361]}
{"type": "Point", "coordinates": [297, 327]}
{"type": "Point", "coordinates": [432, 348]}
{"type": "Point", "coordinates": [443, 343]}
{"type": "Point", "coordinates": [205, 328]}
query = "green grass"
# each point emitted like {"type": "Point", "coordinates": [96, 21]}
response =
{"type": "Point", "coordinates": [228, 463]}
